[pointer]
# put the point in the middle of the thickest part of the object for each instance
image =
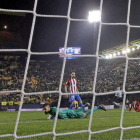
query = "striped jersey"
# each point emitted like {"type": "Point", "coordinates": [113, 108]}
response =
{"type": "Point", "coordinates": [72, 85]}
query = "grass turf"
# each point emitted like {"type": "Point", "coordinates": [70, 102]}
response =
{"type": "Point", "coordinates": [36, 122]}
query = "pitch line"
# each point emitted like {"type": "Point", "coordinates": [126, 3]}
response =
{"type": "Point", "coordinates": [68, 120]}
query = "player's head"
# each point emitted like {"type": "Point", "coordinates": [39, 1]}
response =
{"type": "Point", "coordinates": [118, 88]}
{"type": "Point", "coordinates": [73, 75]}
{"type": "Point", "coordinates": [46, 108]}
{"type": "Point", "coordinates": [134, 102]}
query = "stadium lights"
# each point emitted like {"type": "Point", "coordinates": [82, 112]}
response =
{"type": "Point", "coordinates": [123, 52]}
{"type": "Point", "coordinates": [110, 55]}
{"type": "Point", "coordinates": [133, 49]}
{"type": "Point", "coordinates": [118, 53]}
{"type": "Point", "coordinates": [94, 16]}
{"type": "Point", "coordinates": [107, 56]}
{"type": "Point", "coordinates": [114, 54]}
{"type": "Point", "coordinates": [5, 27]}
{"type": "Point", "coordinates": [128, 50]}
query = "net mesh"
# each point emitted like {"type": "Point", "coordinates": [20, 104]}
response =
{"type": "Point", "coordinates": [63, 68]}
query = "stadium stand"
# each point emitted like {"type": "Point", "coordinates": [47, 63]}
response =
{"type": "Point", "coordinates": [45, 76]}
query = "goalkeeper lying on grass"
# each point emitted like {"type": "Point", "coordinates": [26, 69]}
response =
{"type": "Point", "coordinates": [68, 113]}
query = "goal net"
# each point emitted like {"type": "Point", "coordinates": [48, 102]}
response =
{"type": "Point", "coordinates": [59, 92]}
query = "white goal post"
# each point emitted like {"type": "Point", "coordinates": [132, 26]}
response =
{"type": "Point", "coordinates": [28, 50]}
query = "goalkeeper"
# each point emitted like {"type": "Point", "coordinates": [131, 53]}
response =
{"type": "Point", "coordinates": [68, 113]}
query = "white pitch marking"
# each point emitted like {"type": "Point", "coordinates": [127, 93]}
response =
{"type": "Point", "coordinates": [69, 120]}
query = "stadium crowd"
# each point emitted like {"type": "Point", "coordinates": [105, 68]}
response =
{"type": "Point", "coordinates": [11, 73]}
{"type": "Point", "coordinates": [45, 76]}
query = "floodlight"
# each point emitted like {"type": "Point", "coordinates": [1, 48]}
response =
{"type": "Point", "coordinates": [110, 55]}
{"type": "Point", "coordinates": [128, 50]}
{"type": "Point", "coordinates": [123, 52]}
{"type": "Point", "coordinates": [5, 27]}
{"type": "Point", "coordinates": [118, 53]}
{"type": "Point", "coordinates": [133, 49]}
{"type": "Point", "coordinates": [94, 16]}
{"type": "Point", "coordinates": [114, 54]}
{"type": "Point", "coordinates": [107, 56]}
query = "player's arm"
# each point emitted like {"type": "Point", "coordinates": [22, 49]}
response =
{"type": "Point", "coordinates": [66, 90]}
{"type": "Point", "coordinates": [77, 89]}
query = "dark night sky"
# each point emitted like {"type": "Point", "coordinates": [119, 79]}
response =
{"type": "Point", "coordinates": [49, 33]}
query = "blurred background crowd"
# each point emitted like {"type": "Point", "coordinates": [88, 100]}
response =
{"type": "Point", "coordinates": [45, 76]}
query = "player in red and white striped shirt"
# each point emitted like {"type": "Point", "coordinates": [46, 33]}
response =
{"type": "Point", "coordinates": [73, 89]}
{"type": "Point", "coordinates": [135, 105]}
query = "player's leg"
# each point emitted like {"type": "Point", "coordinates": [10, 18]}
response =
{"type": "Point", "coordinates": [78, 98]}
{"type": "Point", "coordinates": [72, 104]}
{"type": "Point", "coordinates": [116, 102]}
{"type": "Point", "coordinates": [76, 105]}
{"type": "Point", "coordinates": [120, 101]}
{"type": "Point", "coordinates": [95, 109]}
{"type": "Point", "coordinates": [81, 105]}
{"type": "Point", "coordinates": [81, 108]}
{"type": "Point", "coordinates": [72, 101]}
{"type": "Point", "coordinates": [125, 108]}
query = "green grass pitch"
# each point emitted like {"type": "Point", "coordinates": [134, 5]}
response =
{"type": "Point", "coordinates": [36, 122]}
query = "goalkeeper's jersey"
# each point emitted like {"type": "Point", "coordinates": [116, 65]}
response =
{"type": "Point", "coordinates": [66, 114]}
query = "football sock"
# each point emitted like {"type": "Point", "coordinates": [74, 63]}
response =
{"type": "Point", "coordinates": [71, 106]}
{"type": "Point", "coordinates": [89, 111]}
{"type": "Point", "coordinates": [125, 107]}
{"type": "Point", "coordinates": [81, 105]}
{"type": "Point", "coordinates": [115, 103]}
